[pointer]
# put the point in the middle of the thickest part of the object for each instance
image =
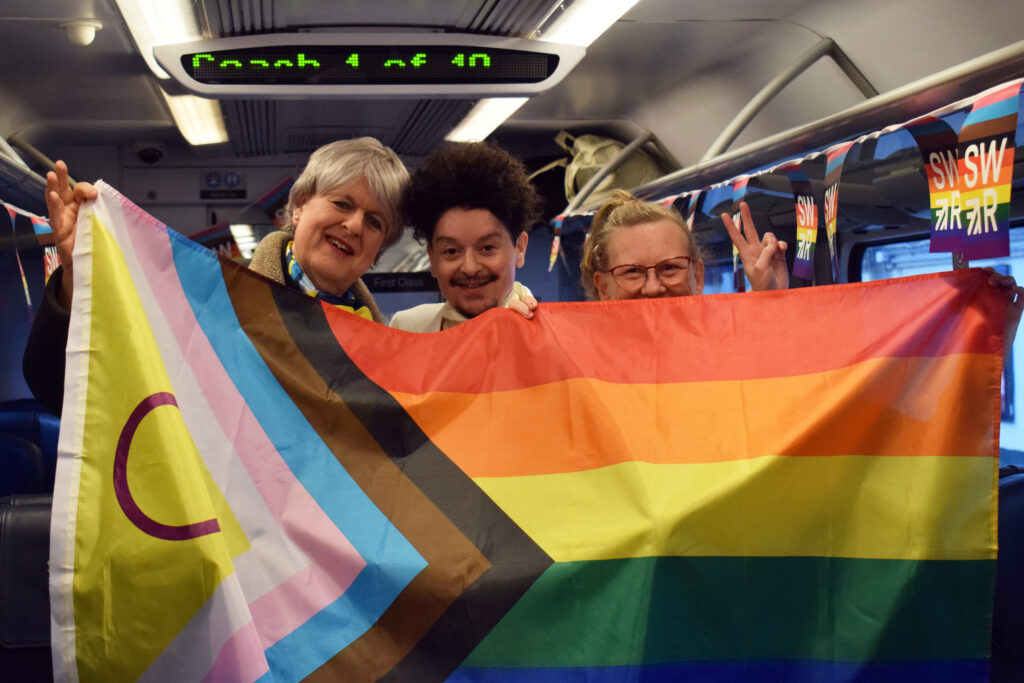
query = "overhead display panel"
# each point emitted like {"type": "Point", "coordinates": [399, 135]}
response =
{"type": "Point", "coordinates": [367, 65]}
{"type": "Point", "coordinates": [371, 64]}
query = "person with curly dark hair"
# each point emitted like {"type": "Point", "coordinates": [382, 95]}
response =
{"type": "Point", "coordinates": [472, 204]}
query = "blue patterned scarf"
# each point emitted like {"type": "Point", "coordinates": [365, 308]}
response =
{"type": "Point", "coordinates": [346, 301]}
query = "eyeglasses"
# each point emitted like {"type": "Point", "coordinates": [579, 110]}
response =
{"type": "Point", "coordinates": [631, 276]}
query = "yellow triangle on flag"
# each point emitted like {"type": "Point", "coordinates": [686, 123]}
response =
{"type": "Point", "coordinates": [132, 586]}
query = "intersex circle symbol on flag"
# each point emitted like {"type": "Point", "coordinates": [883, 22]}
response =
{"type": "Point", "coordinates": [128, 505]}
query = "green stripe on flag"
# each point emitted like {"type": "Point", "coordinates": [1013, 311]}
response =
{"type": "Point", "coordinates": [674, 609]}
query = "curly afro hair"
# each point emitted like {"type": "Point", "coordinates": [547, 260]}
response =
{"type": "Point", "coordinates": [470, 175]}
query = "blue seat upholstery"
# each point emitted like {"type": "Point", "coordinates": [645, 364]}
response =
{"type": "Point", "coordinates": [1008, 612]}
{"type": "Point", "coordinates": [39, 428]}
{"type": "Point", "coordinates": [22, 469]}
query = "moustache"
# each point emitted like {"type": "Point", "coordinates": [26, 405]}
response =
{"type": "Point", "coordinates": [472, 282]}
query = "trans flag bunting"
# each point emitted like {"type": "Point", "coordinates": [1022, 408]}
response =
{"type": "Point", "coordinates": [833, 171]}
{"type": "Point", "coordinates": [253, 486]}
{"type": "Point", "coordinates": [556, 241]}
{"type": "Point", "coordinates": [275, 201]}
{"type": "Point", "coordinates": [806, 220]}
{"type": "Point", "coordinates": [739, 191]}
{"type": "Point", "coordinates": [44, 239]}
{"type": "Point", "coordinates": [691, 207]}
{"type": "Point", "coordinates": [218, 238]}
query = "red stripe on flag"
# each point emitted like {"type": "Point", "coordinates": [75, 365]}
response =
{"type": "Point", "coordinates": [717, 337]}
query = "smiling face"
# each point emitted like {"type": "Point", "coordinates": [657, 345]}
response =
{"type": "Point", "coordinates": [474, 259]}
{"type": "Point", "coordinates": [337, 236]}
{"type": "Point", "coordinates": [647, 244]}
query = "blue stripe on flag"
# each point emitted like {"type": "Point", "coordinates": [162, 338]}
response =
{"type": "Point", "coordinates": [927, 128]}
{"type": "Point", "coordinates": [991, 111]}
{"type": "Point", "coordinates": [391, 561]}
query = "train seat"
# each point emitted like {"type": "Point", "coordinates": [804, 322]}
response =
{"type": "Point", "coordinates": [1008, 611]}
{"type": "Point", "coordinates": [22, 469]}
{"type": "Point", "coordinates": [24, 588]}
{"type": "Point", "coordinates": [19, 425]}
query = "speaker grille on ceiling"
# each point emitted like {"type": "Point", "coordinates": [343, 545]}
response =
{"type": "Point", "coordinates": [226, 18]}
{"type": "Point", "coordinates": [308, 139]}
{"type": "Point", "coordinates": [509, 17]}
{"type": "Point", "coordinates": [429, 123]}
{"type": "Point", "coordinates": [254, 129]}
{"type": "Point", "coordinates": [252, 126]}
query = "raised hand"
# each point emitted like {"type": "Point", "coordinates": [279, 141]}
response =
{"type": "Point", "coordinates": [63, 203]}
{"type": "Point", "coordinates": [1014, 306]}
{"type": "Point", "coordinates": [764, 259]}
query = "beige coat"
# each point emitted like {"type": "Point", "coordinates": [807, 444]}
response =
{"type": "Point", "coordinates": [268, 261]}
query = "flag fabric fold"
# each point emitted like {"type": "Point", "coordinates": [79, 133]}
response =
{"type": "Point", "coordinates": [770, 486]}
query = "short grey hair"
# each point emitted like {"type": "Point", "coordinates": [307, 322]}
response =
{"type": "Point", "coordinates": [343, 163]}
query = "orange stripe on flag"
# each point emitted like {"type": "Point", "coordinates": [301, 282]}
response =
{"type": "Point", "coordinates": [881, 407]}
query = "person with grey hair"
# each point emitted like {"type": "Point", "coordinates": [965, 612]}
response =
{"type": "Point", "coordinates": [343, 211]}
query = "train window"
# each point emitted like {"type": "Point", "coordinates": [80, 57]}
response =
{"type": "Point", "coordinates": [718, 278]}
{"type": "Point", "coordinates": [898, 259]}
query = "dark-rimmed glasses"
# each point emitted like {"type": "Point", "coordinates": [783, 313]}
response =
{"type": "Point", "coordinates": [631, 276]}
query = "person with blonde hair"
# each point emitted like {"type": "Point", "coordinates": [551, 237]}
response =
{"type": "Point", "coordinates": [639, 249]}
{"type": "Point", "coordinates": [642, 250]}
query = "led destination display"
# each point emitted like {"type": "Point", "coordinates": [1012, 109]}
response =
{"type": "Point", "coordinates": [368, 64]}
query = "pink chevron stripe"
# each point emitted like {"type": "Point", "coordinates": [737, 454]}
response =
{"type": "Point", "coordinates": [236, 662]}
{"type": "Point", "coordinates": [335, 562]}
{"type": "Point", "coordinates": [998, 96]}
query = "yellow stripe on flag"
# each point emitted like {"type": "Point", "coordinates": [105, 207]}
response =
{"type": "Point", "coordinates": [842, 506]}
{"type": "Point", "coordinates": [131, 587]}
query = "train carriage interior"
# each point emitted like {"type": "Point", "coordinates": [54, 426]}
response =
{"type": "Point", "coordinates": [690, 96]}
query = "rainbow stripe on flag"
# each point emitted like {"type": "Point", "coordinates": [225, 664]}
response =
{"type": "Point", "coordinates": [791, 486]}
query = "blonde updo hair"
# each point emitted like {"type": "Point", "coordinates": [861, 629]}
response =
{"type": "Point", "coordinates": [624, 210]}
{"type": "Point", "coordinates": [343, 163]}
